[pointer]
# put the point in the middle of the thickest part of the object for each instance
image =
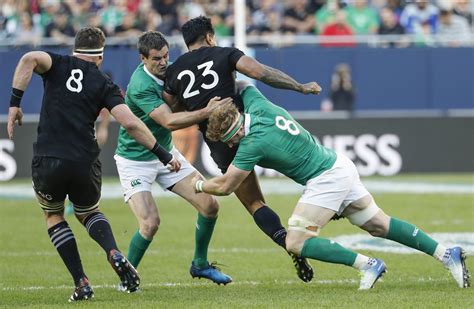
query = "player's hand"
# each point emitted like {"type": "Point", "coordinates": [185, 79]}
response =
{"type": "Point", "coordinates": [216, 102]}
{"type": "Point", "coordinates": [193, 182]}
{"type": "Point", "coordinates": [174, 165]}
{"type": "Point", "coordinates": [14, 114]}
{"type": "Point", "coordinates": [311, 88]}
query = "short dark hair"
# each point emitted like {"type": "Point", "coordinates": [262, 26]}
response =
{"type": "Point", "coordinates": [89, 38]}
{"type": "Point", "coordinates": [196, 29]}
{"type": "Point", "coordinates": [151, 40]}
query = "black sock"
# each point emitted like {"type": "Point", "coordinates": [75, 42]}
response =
{"type": "Point", "coordinates": [99, 229]}
{"type": "Point", "coordinates": [269, 222]}
{"type": "Point", "coordinates": [64, 241]}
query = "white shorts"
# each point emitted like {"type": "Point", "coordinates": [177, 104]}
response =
{"type": "Point", "coordinates": [336, 188]}
{"type": "Point", "coordinates": [138, 176]}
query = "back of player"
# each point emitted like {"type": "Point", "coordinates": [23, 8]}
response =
{"type": "Point", "coordinates": [74, 93]}
{"type": "Point", "coordinates": [276, 140]}
{"type": "Point", "coordinates": [201, 74]}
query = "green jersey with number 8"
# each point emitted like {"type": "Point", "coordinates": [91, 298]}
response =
{"type": "Point", "coordinates": [275, 140]}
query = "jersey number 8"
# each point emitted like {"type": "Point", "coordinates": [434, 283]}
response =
{"type": "Point", "coordinates": [207, 71]}
{"type": "Point", "coordinates": [286, 125]}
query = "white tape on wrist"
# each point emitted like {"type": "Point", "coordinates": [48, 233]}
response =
{"type": "Point", "coordinates": [198, 185]}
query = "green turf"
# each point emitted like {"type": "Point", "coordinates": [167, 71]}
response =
{"type": "Point", "coordinates": [32, 274]}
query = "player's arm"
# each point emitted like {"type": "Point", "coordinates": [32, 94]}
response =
{"type": "Point", "coordinates": [222, 185]}
{"type": "Point", "coordinates": [36, 61]}
{"type": "Point", "coordinates": [173, 102]}
{"type": "Point", "coordinates": [139, 131]}
{"type": "Point", "coordinates": [273, 77]}
{"type": "Point", "coordinates": [175, 121]}
{"type": "Point", "coordinates": [102, 131]}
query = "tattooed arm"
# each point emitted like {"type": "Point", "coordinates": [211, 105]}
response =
{"type": "Point", "coordinates": [273, 77]}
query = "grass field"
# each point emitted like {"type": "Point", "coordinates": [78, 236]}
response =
{"type": "Point", "coordinates": [32, 274]}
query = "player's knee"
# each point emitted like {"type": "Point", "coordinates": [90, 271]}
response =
{"type": "Point", "coordinates": [211, 208]}
{"type": "Point", "coordinates": [150, 226]}
{"type": "Point", "coordinates": [299, 230]}
{"type": "Point", "coordinates": [362, 217]}
{"type": "Point", "coordinates": [378, 225]}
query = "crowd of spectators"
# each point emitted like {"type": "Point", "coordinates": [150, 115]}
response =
{"type": "Point", "coordinates": [29, 21]}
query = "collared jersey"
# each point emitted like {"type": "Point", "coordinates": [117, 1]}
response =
{"type": "Point", "coordinates": [74, 93]}
{"type": "Point", "coordinates": [275, 140]}
{"type": "Point", "coordinates": [199, 75]}
{"type": "Point", "coordinates": [143, 96]}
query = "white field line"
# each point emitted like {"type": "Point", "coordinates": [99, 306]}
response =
{"type": "Point", "coordinates": [269, 186]}
{"type": "Point", "coordinates": [238, 283]}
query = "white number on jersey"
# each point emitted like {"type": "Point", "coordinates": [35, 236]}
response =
{"type": "Point", "coordinates": [207, 71]}
{"type": "Point", "coordinates": [287, 125]}
{"type": "Point", "coordinates": [77, 81]}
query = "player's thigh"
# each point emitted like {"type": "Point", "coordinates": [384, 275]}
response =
{"type": "Point", "coordinates": [144, 207]}
{"type": "Point", "coordinates": [50, 182]}
{"type": "Point", "coordinates": [136, 176]}
{"type": "Point", "coordinates": [250, 194]}
{"type": "Point", "coordinates": [222, 154]}
{"type": "Point", "coordinates": [85, 187]}
{"type": "Point", "coordinates": [167, 179]}
{"type": "Point", "coordinates": [206, 204]}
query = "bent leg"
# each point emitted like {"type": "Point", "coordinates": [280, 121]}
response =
{"type": "Point", "coordinates": [207, 208]}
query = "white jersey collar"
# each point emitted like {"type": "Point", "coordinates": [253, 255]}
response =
{"type": "Point", "coordinates": [247, 124]}
{"type": "Point", "coordinates": [157, 80]}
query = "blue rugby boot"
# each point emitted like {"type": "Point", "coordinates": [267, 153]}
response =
{"type": "Point", "coordinates": [211, 272]}
{"type": "Point", "coordinates": [454, 260]}
{"type": "Point", "coordinates": [370, 275]}
{"type": "Point", "coordinates": [83, 291]}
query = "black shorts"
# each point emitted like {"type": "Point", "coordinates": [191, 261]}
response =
{"type": "Point", "coordinates": [54, 178]}
{"type": "Point", "coordinates": [222, 154]}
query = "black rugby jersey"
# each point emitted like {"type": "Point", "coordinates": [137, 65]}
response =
{"type": "Point", "coordinates": [199, 75]}
{"type": "Point", "coordinates": [74, 93]}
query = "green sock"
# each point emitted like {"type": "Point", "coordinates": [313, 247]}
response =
{"type": "Point", "coordinates": [409, 235]}
{"type": "Point", "coordinates": [137, 248]}
{"type": "Point", "coordinates": [327, 251]}
{"type": "Point", "coordinates": [204, 229]}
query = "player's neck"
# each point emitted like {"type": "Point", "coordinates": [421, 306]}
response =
{"type": "Point", "coordinates": [198, 45]}
{"type": "Point", "coordinates": [88, 59]}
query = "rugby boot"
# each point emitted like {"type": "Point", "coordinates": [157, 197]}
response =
{"type": "Point", "coordinates": [130, 281]}
{"type": "Point", "coordinates": [211, 272]}
{"type": "Point", "coordinates": [454, 260]}
{"type": "Point", "coordinates": [83, 291]}
{"type": "Point", "coordinates": [302, 266]}
{"type": "Point", "coordinates": [370, 275]}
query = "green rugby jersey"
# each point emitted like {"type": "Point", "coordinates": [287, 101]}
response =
{"type": "Point", "coordinates": [143, 96]}
{"type": "Point", "coordinates": [275, 140]}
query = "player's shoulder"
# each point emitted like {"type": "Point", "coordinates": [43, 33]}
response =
{"type": "Point", "coordinates": [141, 80]}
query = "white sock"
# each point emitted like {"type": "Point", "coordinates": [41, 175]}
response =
{"type": "Point", "coordinates": [439, 252]}
{"type": "Point", "coordinates": [361, 262]}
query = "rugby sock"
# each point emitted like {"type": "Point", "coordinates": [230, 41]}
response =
{"type": "Point", "coordinates": [409, 235]}
{"type": "Point", "coordinates": [64, 241]}
{"type": "Point", "coordinates": [363, 262]}
{"type": "Point", "coordinates": [269, 222]}
{"type": "Point", "coordinates": [137, 248]}
{"type": "Point", "coordinates": [99, 229]}
{"type": "Point", "coordinates": [326, 250]}
{"type": "Point", "coordinates": [204, 230]}
{"type": "Point", "coordinates": [439, 252]}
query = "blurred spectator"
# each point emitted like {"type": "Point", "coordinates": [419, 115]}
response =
{"type": "Point", "coordinates": [397, 7]}
{"type": "Point", "coordinates": [342, 92]}
{"type": "Point", "coordinates": [464, 8]}
{"type": "Point", "coordinates": [129, 27]}
{"type": "Point", "coordinates": [60, 28]}
{"type": "Point", "coordinates": [169, 16]}
{"type": "Point", "coordinates": [26, 31]}
{"type": "Point", "coordinates": [326, 15]}
{"type": "Point", "coordinates": [220, 27]}
{"type": "Point", "coordinates": [297, 19]}
{"type": "Point", "coordinates": [187, 141]}
{"type": "Point", "coordinates": [269, 9]}
{"type": "Point", "coordinates": [390, 26]}
{"type": "Point", "coordinates": [112, 15]}
{"type": "Point", "coordinates": [339, 28]}
{"type": "Point", "coordinates": [455, 27]}
{"type": "Point", "coordinates": [361, 18]}
{"type": "Point", "coordinates": [417, 15]}
{"type": "Point", "coordinates": [424, 37]}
